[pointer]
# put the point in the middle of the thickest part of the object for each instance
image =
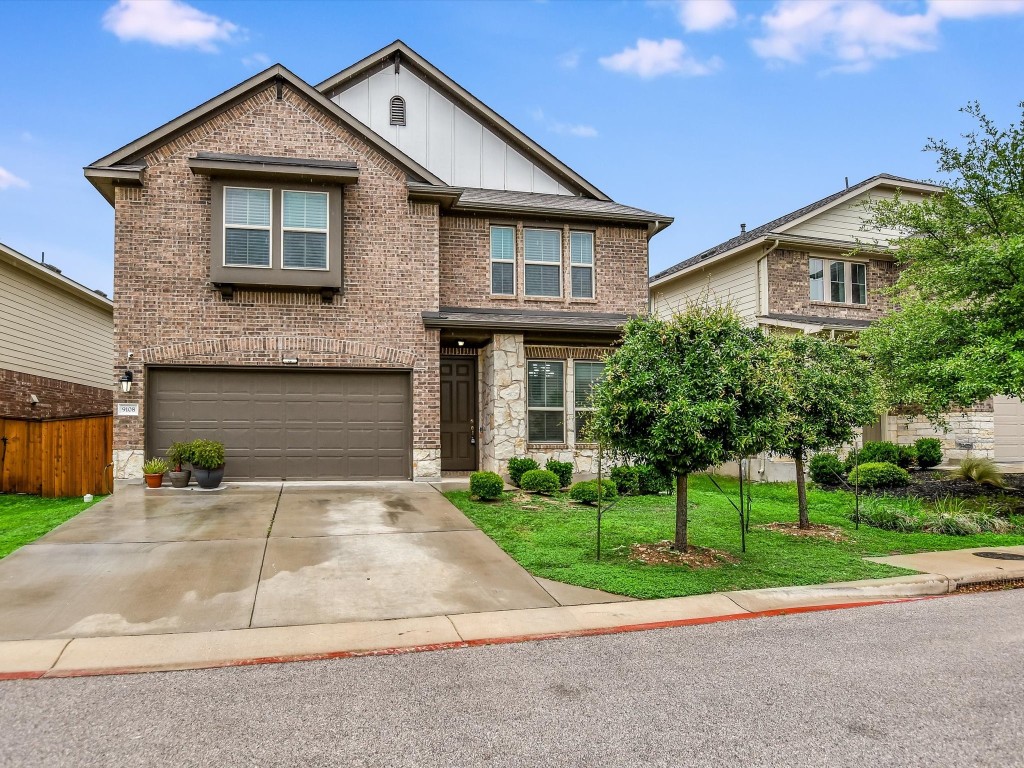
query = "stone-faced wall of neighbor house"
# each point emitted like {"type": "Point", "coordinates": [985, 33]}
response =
{"type": "Point", "coordinates": [789, 287]}
{"type": "Point", "coordinates": [620, 267]}
{"type": "Point", "coordinates": [166, 312]}
{"type": "Point", "coordinates": [57, 399]}
{"type": "Point", "coordinates": [971, 433]}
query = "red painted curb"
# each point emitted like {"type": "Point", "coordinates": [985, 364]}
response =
{"type": "Point", "coordinates": [455, 645]}
{"type": "Point", "coordinates": [21, 675]}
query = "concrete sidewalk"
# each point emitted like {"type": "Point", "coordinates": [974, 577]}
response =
{"type": "Point", "coordinates": [21, 659]}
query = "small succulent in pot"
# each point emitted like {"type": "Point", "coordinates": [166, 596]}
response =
{"type": "Point", "coordinates": [178, 455]}
{"type": "Point", "coordinates": [153, 470]}
{"type": "Point", "coordinates": [207, 459]}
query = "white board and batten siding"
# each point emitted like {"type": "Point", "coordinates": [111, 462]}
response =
{"type": "Point", "coordinates": [733, 282]}
{"type": "Point", "coordinates": [442, 136]}
{"type": "Point", "coordinates": [844, 221]}
{"type": "Point", "coordinates": [48, 331]}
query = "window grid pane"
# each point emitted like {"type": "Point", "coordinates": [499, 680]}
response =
{"type": "Point", "coordinates": [545, 384]}
{"type": "Point", "coordinates": [503, 244]}
{"type": "Point", "coordinates": [543, 245]}
{"type": "Point", "coordinates": [583, 419]}
{"type": "Point", "coordinates": [546, 427]}
{"type": "Point", "coordinates": [305, 210]}
{"type": "Point", "coordinates": [859, 283]}
{"type": "Point", "coordinates": [837, 280]}
{"type": "Point", "coordinates": [586, 376]}
{"type": "Point", "coordinates": [246, 207]}
{"type": "Point", "coordinates": [247, 247]}
{"type": "Point", "coordinates": [581, 248]}
{"type": "Point", "coordinates": [305, 250]}
{"type": "Point", "coordinates": [543, 280]}
{"type": "Point", "coordinates": [582, 282]}
{"type": "Point", "coordinates": [816, 268]}
{"type": "Point", "coordinates": [503, 278]}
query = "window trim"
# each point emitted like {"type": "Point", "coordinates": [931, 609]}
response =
{"type": "Point", "coordinates": [269, 229]}
{"type": "Point", "coordinates": [491, 261]}
{"type": "Point", "coordinates": [326, 231]}
{"type": "Point", "coordinates": [591, 266]}
{"type": "Point", "coordinates": [826, 276]}
{"type": "Point", "coordinates": [560, 265]}
{"type": "Point", "coordinates": [529, 408]}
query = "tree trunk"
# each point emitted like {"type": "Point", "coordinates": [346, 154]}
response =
{"type": "Point", "coordinates": [681, 513]}
{"type": "Point", "coordinates": [801, 489]}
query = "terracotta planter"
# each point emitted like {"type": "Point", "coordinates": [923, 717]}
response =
{"type": "Point", "coordinates": [180, 479]}
{"type": "Point", "coordinates": [154, 481]}
{"type": "Point", "coordinates": [208, 478]}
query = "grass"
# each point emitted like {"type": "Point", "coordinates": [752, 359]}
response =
{"type": "Point", "coordinates": [557, 540]}
{"type": "Point", "coordinates": [23, 519]}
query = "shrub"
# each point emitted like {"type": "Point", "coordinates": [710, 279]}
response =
{"type": "Point", "coordinates": [980, 471]}
{"type": "Point", "coordinates": [518, 467]}
{"type": "Point", "coordinates": [826, 469]}
{"type": "Point", "coordinates": [878, 474]}
{"type": "Point", "coordinates": [626, 480]}
{"type": "Point", "coordinates": [563, 469]}
{"type": "Point", "coordinates": [640, 480]}
{"type": "Point", "coordinates": [154, 466]}
{"type": "Point", "coordinates": [207, 454]}
{"type": "Point", "coordinates": [178, 454]}
{"type": "Point", "coordinates": [902, 515]}
{"type": "Point", "coordinates": [587, 491]}
{"type": "Point", "coordinates": [929, 452]}
{"type": "Point", "coordinates": [539, 481]}
{"type": "Point", "coordinates": [486, 485]}
{"type": "Point", "coordinates": [883, 451]}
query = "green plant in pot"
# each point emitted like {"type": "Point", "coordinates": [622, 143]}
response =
{"type": "Point", "coordinates": [207, 459]}
{"type": "Point", "coordinates": [153, 470]}
{"type": "Point", "coordinates": [178, 455]}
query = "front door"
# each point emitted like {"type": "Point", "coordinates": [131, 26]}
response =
{"type": "Point", "coordinates": [458, 413]}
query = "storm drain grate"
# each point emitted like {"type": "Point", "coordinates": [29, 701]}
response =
{"type": "Point", "coordinates": [999, 555]}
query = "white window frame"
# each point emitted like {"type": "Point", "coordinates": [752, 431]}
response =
{"type": "Point", "coordinates": [492, 261]}
{"type": "Point", "coordinates": [326, 231]}
{"type": "Point", "coordinates": [527, 263]}
{"type": "Point", "coordinates": [561, 410]}
{"type": "Point", "coordinates": [577, 409]}
{"type": "Point", "coordinates": [269, 229]}
{"type": "Point", "coordinates": [573, 265]}
{"type": "Point", "coordinates": [826, 274]}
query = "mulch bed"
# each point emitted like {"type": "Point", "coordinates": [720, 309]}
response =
{"type": "Point", "coordinates": [931, 485]}
{"type": "Point", "coordinates": [662, 553]}
{"type": "Point", "coordinates": [816, 531]}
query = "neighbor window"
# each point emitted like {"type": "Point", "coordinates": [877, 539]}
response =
{"type": "Point", "coordinates": [543, 260]}
{"type": "Point", "coordinates": [545, 401]}
{"type": "Point", "coordinates": [246, 227]}
{"type": "Point", "coordinates": [846, 282]}
{"type": "Point", "coordinates": [503, 261]}
{"type": "Point", "coordinates": [304, 230]}
{"type": "Point", "coordinates": [581, 262]}
{"type": "Point", "coordinates": [586, 375]}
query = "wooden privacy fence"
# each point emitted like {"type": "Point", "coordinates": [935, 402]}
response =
{"type": "Point", "coordinates": [58, 457]}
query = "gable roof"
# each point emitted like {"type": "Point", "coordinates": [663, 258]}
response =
{"type": "Point", "coordinates": [125, 165]}
{"type": "Point", "coordinates": [406, 55]}
{"type": "Point", "coordinates": [781, 224]}
{"type": "Point", "coordinates": [54, 278]}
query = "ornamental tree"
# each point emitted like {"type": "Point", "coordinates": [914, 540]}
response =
{"type": "Point", "coordinates": [957, 335]}
{"type": "Point", "coordinates": [828, 393]}
{"type": "Point", "coordinates": [687, 394]}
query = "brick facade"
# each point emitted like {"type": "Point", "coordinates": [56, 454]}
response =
{"type": "Point", "coordinates": [789, 287]}
{"type": "Point", "coordinates": [57, 399]}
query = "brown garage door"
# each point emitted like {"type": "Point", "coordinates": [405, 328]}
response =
{"type": "Point", "coordinates": [287, 424]}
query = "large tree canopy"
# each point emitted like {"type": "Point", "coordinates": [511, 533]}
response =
{"type": "Point", "coordinates": [957, 334]}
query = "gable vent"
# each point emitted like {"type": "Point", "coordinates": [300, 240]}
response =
{"type": "Point", "coordinates": [397, 110]}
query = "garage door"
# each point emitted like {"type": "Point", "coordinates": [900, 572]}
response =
{"type": "Point", "coordinates": [287, 424]}
{"type": "Point", "coordinates": [1009, 428]}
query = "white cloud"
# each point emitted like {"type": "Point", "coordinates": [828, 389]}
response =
{"type": "Point", "coordinates": [705, 15]}
{"type": "Point", "coordinates": [856, 34]}
{"type": "Point", "coordinates": [578, 130]}
{"type": "Point", "coordinates": [651, 58]}
{"type": "Point", "coordinates": [569, 59]}
{"type": "Point", "coordinates": [8, 180]}
{"type": "Point", "coordinates": [256, 60]}
{"type": "Point", "coordinates": [168, 22]}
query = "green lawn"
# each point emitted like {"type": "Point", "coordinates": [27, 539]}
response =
{"type": "Point", "coordinates": [557, 541]}
{"type": "Point", "coordinates": [23, 519]}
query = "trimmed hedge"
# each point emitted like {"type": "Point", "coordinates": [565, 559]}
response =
{"type": "Point", "coordinates": [486, 485]}
{"type": "Point", "coordinates": [587, 491]}
{"type": "Point", "coordinates": [882, 451]}
{"type": "Point", "coordinates": [539, 481]}
{"type": "Point", "coordinates": [640, 480]}
{"type": "Point", "coordinates": [929, 452]}
{"type": "Point", "coordinates": [561, 468]}
{"type": "Point", "coordinates": [878, 474]}
{"type": "Point", "coordinates": [826, 469]}
{"type": "Point", "coordinates": [518, 467]}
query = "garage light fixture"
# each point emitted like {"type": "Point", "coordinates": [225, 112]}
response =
{"type": "Point", "coordinates": [126, 382]}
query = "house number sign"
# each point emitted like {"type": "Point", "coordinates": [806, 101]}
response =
{"type": "Point", "coordinates": [127, 409]}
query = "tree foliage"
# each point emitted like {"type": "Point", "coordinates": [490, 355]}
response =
{"type": "Point", "coordinates": [957, 335]}
{"type": "Point", "coordinates": [687, 394]}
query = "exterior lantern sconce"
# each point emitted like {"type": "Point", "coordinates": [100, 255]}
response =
{"type": "Point", "coordinates": [461, 343]}
{"type": "Point", "coordinates": [126, 382]}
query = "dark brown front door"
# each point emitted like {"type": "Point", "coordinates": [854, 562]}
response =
{"type": "Point", "coordinates": [458, 413]}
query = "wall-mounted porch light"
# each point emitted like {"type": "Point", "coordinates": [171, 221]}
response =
{"type": "Point", "coordinates": [461, 343]}
{"type": "Point", "coordinates": [126, 382]}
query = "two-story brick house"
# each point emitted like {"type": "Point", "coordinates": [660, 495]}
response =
{"type": "Point", "coordinates": [376, 277]}
{"type": "Point", "coordinates": [823, 269]}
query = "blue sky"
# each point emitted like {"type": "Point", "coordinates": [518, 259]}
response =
{"type": "Point", "coordinates": [714, 112]}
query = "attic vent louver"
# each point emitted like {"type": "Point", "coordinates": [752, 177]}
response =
{"type": "Point", "coordinates": [397, 110]}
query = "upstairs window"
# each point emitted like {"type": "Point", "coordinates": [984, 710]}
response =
{"type": "Point", "coordinates": [397, 110]}
{"type": "Point", "coordinates": [503, 261]}
{"type": "Point", "coordinates": [817, 272]}
{"type": "Point", "coordinates": [246, 227]}
{"type": "Point", "coordinates": [545, 401]}
{"type": "Point", "coordinates": [304, 230]}
{"type": "Point", "coordinates": [543, 262]}
{"type": "Point", "coordinates": [581, 263]}
{"type": "Point", "coordinates": [846, 281]}
{"type": "Point", "coordinates": [859, 283]}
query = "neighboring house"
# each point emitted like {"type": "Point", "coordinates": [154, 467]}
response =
{"type": "Point", "coordinates": [56, 343]}
{"type": "Point", "coordinates": [821, 269]}
{"type": "Point", "coordinates": [375, 277]}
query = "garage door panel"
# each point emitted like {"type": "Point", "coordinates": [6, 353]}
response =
{"type": "Point", "coordinates": [287, 424]}
{"type": "Point", "coordinates": [1008, 417]}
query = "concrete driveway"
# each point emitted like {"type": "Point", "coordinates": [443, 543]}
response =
{"type": "Point", "coordinates": [144, 562]}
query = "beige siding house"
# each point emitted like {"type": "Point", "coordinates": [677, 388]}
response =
{"type": "Point", "coordinates": [823, 269]}
{"type": "Point", "coordinates": [56, 343]}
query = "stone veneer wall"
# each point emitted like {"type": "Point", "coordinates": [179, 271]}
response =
{"type": "Point", "coordinates": [969, 434]}
{"type": "Point", "coordinates": [502, 378]}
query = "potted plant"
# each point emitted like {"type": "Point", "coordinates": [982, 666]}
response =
{"type": "Point", "coordinates": [154, 472]}
{"type": "Point", "coordinates": [179, 454]}
{"type": "Point", "coordinates": [207, 459]}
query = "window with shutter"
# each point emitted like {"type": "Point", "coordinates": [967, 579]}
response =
{"type": "Point", "coordinates": [246, 227]}
{"type": "Point", "coordinates": [543, 262]}
{"type": "Point", "coordinates": [503, 261]}
{"type": "Point", "coordinates": [581, 263]}
{"type": "Point", "coordinates": [304, 230]}
{"type": "Point", "coordinates": [585, 376]}
{"type": "Point", "coordinates": [545, 401]}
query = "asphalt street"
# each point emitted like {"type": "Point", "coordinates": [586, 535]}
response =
{"type": "Point", "coordinates": [930, 683]}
